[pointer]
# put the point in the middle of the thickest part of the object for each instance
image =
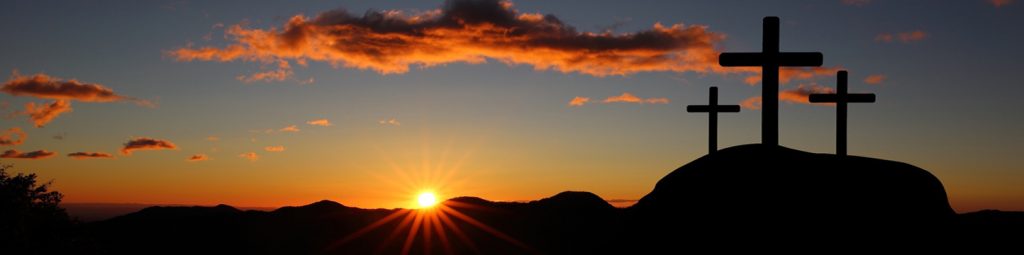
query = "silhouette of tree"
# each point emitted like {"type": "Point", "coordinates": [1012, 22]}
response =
{"type": "Point", "coordinates": [31, 221]}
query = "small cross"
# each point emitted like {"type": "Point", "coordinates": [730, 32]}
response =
{"type": "Point", "coordinates": [841, 98]}
{"type": "Point", "coordinates": [770, 59]}
{"type": "Point", "coordinates": [713, 108]}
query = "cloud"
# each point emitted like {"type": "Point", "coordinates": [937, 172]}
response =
{"type": "Point", "coordinates": [39, 154]}
{"type": "Point", "coordinates": [788, 74]}
{"type": "Point", "coordinates": [291, 128]}
{"type": "Point", "coordinates": [274, 148]}
{"type": "Point", "coordinates": [579, 101]}
{"type": "Point", "coordinates": [145, 143]}
{"type": "Point", "coordinates": [390, 122]}
{"type": "Point", "coordinates": [89, 155]}
{"type": "Point", "coordinates": [875, 79]}
{"type": "Point", "coordinates": [856, 2]}
{"type": "Point", "coordinates": [1000, 3]}
{"type": "Point", "coordinates": [283, 71]}
{"type": "Point", "coordinates": [197, 158]}
{"type": "Point", "coordinates": [463, 31]}
{"type": "Point", "coordinates": [7, 138]}
{"type": "Point", "coordinates": [251, 156]}
{"type": "Point", "coordinates": [320, 122]}
{"type": "Point", "coordinates": [904, 37]}
{"type": "Point", "coordinates": [797, 95]}
{"type": "Point", "coordinates": [47, 87]}
{"type": "Point", "coordinates": [212, 138]}
{"type": "Point", "coordinates": [44, 113]}
{"type": "Point", "coordinates": [627, 97]}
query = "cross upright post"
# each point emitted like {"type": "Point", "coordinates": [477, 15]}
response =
{"type": "Point", "coordinates": [713, 108]}
{"type": "Point", "coordinates": [842, 97]}
{"type": "Point", "coordinates": [770, 59]}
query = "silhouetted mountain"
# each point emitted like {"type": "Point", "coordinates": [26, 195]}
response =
{"type": "Point", "coordinates": [737, 197]}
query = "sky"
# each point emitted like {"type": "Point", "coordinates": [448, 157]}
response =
{"type": "Point", "coordinates": [274, 103]}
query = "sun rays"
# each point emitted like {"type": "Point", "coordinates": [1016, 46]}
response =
{"type": "Point", "coordinates": [435, 224]}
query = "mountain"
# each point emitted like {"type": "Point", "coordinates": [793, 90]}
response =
{"type": "Point", "coordinates": [744, 197]}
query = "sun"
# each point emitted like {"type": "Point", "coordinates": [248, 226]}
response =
{"type": "Point", "coordinates": [426, 199]}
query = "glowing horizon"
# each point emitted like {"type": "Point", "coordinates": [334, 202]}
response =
{"type": "Point", "coordinates": [287, 104]}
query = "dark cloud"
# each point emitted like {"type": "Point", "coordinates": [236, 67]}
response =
{"type": "Point", "coordinates": [145, 143]}
{"type": "Point", "coordinates": [197, 158]}
{"type": "Point", "coordinates": [39, 154]}
{"type": "Point", "coordinates": [47, 87]}
{"type": "Point", "coordinates": [466, 31]}
{"type": "Point", "coordinates": [89, 155]}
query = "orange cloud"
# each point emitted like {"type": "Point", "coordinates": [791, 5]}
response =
{"type": "Point", "coordinates": [89, 155]}
{"type": "Point", "coordinates": [145, 143]}
{"type": "Point", "coordinates": [251, 156]}
{"type": "Point", "coordinates": [390, 42]}
{"type": "Point", "coordinates": [212, 138]}
{"type": "Point", "coordinates": [627, 97]}
{"type": "Point", "coordinates": [905, 37]}
{"type": "Point", "coordinates": [291, 128]}
{"type": "Point", "coordinates": [874, 79]}
{"type": "Point", "coordinates": [390, 122]}
{"type": "Point", "coordinates": [788, 74]}
{"type": "Point", "coordinates": [39, 154]}
{"type": "Point", "coordinates": [320, 122]}
{"type": "Point", "coordinates": [7, 138]}
{"type": "Point", "coordinates": [44, 113]}
{"type": "Point", "coordinates": [283, 71]}
{"type": "Point", "coordinates": [197, 158]}
{"type": "Point", "coordinates": [798, 95]}
{"type": "Point", "coordinates": [47, 87]}
{"type": "Point", "coordinates": [579, 101]}
{"type": "Point", "coordinates": [1000, 3]}
{"type": "Point", "coordinates": [274, 148]}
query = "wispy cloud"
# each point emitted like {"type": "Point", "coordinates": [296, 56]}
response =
{"type": "Point", "coordinates": [197, 158]}
{"type": "Point", "coordinates": [145, 143]}
{"type": "Point", "coordinates": [579, 101]}
{"type": "Point", "coordinates": [789, 74]}
{"type": "Point", "coordinates": [798, 95]}
{"type": "Point", "coordinates": [12, 136]}
{"type": "Point", "coordinates": [251, 156]}
{"type": "Point", "coordinates": [41, 114]}
{"type": "Point", "coordinates": [89, 155]}
{"type": "Point", "coordinates": [274, 148]}
{"type": "Point", "coordinates": [627, 97]}
{"type": "Point", "coordinates": [291, 128]}
{"type": "Point", "coordinates": [212, 138]}
{"type": "Point", "coordinates": [39, 154]}
{"type": "Point", "coordinates": [463, 31]}
{"type": "Point", "coordinates": [875, 79]}
{"type": "Point", "coordinates": [47, 87]}
{"type": "Point", "coordinates": [390, 122]}
{"type": "Point", "coordinates": [320, 122]}
{"type": "Point", "coordinates": [62, 92]}
{"type": "Point", "coordinates": [904, 37]}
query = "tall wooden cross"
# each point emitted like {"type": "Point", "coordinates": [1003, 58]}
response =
{"type": "Point", "coordinates": [713, 108]}
{"type": "Point", "coordinates": [770, 59]}
{"type": "Point", "coordinates": [841, 98]}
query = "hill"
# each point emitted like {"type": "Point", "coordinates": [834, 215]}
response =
{"type": "Point", "coordinates": [750, 195]}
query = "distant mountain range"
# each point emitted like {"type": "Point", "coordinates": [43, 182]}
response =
{"type": "Point", "coordinates": [738, 198]}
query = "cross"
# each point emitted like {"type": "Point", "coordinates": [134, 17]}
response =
{"type": "Point", "coordinates": [841, 98]}
{"type": "Point", "coordinates": [770, 59]}
{"type": "Point", "coordinates": [713, 109]}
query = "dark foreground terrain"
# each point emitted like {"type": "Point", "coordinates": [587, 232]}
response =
{"type": "Point", "coordinates": [747, 197]}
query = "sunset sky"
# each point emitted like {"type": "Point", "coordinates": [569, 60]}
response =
{"type": "Point", "coordinates": [273, 103]}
